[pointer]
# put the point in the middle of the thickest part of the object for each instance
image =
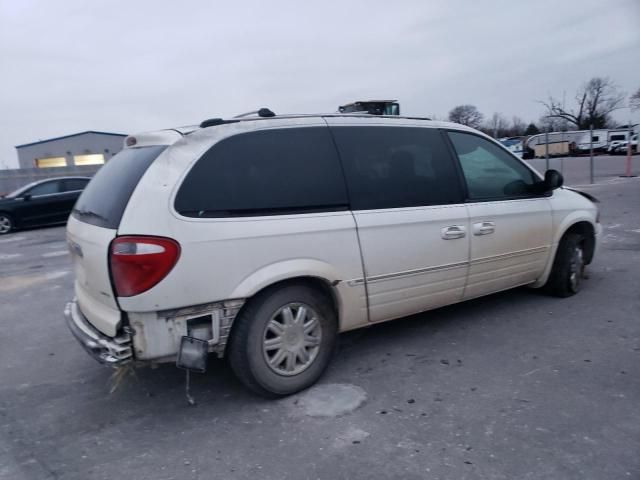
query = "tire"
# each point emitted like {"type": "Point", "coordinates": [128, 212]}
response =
{"type": "Point", "coordinates": [568, 267]}
{"type": "Point", "coordinates": [275, 352]}
{"type": "Point", "coordinates": [6, 223]}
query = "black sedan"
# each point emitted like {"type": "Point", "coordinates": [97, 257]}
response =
{"type": "Point", "coordinates": [44, 202]}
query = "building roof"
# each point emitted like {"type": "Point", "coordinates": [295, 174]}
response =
{"type": "Point", "coordinates": [69, 136]}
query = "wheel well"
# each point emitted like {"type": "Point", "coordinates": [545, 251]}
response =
{"type": "Point", "coordinates": [8, 214]}
{"type": "Point", "coordinates": [317, 283]}
{"type": "Point", "coordinates": [588, 233]}
{"type": "Point", "coordinates": [320, 284]}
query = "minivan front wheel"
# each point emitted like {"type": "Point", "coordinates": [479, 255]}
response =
{"type": "Point", "coordinates": [568, 267]}
{"type": "Point", "coordinates": [282, 340]}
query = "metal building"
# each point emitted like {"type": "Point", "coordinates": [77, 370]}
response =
{"type": "Point", "coordinates": [84, 148]}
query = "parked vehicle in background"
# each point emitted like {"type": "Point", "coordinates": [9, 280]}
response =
{"type": "Point", "coordinates": [619, 135]}
{"type": "Point", "coordinates": [555, 149]}
{"type": "Point", "coordinates": [613, 146]}
{"type": "Point", "coordinates": [577, 142]}
{"type": "Point", "coordinates": [44, 202]}
{"type": "Point", "coordinates": [514, 144]}
{"type": "Point", "coordinates": [620, 147]}
{"type": "Point", "coordinates": [534, 146]}
{"type": "Point", "coordinates": [261, 239]}
{"type": "Point", "coordinates": [373, 107]}
{"type": "Point", "coordinates": [599, 142]}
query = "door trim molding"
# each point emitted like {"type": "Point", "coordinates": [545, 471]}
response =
{"type": "Point", "coordinates": [406, 273]}
{"type": "Point", "coordinates": [449, 266]}
{"type": "Point", "coordinates": [518, 253]}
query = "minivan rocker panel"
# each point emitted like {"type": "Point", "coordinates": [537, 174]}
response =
{"type": "Point", "coordinates": [264, 286]}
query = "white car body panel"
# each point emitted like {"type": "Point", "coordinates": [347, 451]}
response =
{"type": "Point", "coordinates": [235, 258]}
{"type": "Point", "coordinates": [409, 266]}
{"type": "Point", "coordinates": [515, 251]}
{"type": "Point", "coordinates": [568, 208]}
{"type": "Point", "coordinates": [89, 247]}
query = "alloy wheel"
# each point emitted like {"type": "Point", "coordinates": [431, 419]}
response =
{"type": "Point", "coordinates": [5, 224]}
{"type": "Point", "coordinates": [291, 339]}
{"type": "Point", "coordinates": [576, 268]}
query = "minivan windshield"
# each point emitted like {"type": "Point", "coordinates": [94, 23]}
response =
{"type": "Point", "coordinates": [103, 202]}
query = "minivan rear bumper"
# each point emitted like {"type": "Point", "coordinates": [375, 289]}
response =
{"type": "Point", "coordinates": [112, 351]}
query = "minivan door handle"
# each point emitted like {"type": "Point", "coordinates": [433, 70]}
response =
{"type": "Point", "coordinates": [453, 232]}
{"type": "Point", "coordinates": [484, 228]}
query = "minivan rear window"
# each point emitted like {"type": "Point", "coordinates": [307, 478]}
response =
{"type": "Point", "coordinates": [103, 202]}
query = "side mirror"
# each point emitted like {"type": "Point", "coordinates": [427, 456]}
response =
{"type": "Point", "coordinates": [552, 179]}
{"type": "Point", "coordinates": [26, 197]}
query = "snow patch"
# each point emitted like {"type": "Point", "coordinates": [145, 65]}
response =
{"type": "Point", "coordinates": [329, 400]}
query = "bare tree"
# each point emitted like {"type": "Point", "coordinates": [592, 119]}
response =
{"type": "Point", "coordinates": [466, 115]}
{"type": "Point", "coordinates": [496, 126]}
{"type": "Point", "coordinates": [595, 101]}
{"type": "Point", "coordinates": [634, 100]}
{"type": "Point", "coordinates": [517, 127]}
{"type": "Point", "coordinates": [555, 124]}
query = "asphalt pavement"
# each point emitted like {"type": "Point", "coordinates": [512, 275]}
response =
{"type": "Point", "coordinates": [511, 386]}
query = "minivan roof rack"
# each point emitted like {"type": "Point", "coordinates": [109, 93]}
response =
{"type": "Point", "coordinates": [263, 112]}
{"type": "Point", "coordinates": [212, 122]}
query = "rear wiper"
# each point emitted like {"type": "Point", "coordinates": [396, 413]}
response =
{"type": "Point", "coordinates": [88, 213]}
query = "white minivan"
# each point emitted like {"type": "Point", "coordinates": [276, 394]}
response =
{"type": "Point", "coordinates": [262, 238]}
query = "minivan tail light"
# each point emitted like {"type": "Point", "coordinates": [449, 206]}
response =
{"type": "Point", "coordinates": [139, 262]}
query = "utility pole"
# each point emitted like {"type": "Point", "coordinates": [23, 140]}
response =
{"type": "Point", "coordinates": [546, 146]}
{"type": "Point", "coordinates": [627, 167]}
{"type": "Point", "coordinates": [591, 152]}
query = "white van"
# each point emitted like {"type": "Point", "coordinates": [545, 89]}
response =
{"type": "Point", "coordinates": [262, 238]}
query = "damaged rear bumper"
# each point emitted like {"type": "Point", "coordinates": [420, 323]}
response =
{"type": "Point", "coordinates": [113, 351]}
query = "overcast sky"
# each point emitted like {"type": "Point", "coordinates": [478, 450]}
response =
{"type": "Point", "coordinates": [127, 66]}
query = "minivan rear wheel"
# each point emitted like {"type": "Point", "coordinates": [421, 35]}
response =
{"type": "Point", "coordinates": [568, 267]}
{"type": "Point", "coordinates": [282, 340]}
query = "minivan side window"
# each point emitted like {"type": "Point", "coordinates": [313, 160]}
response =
{"type": "Point", "coordinates": [266, 172]}
{"type": "Point", "coordinates": [393, 167]}
{"type": "Point", "coordinates": [490, 172]}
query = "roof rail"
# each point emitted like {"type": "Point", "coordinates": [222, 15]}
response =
{"type": "Point", "coordinates": [212, 122]}
{"type": "Point", "coordinates": [263, 112]}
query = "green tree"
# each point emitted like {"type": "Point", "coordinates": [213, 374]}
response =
{"type": "Point", "coordinates": [532, 129]}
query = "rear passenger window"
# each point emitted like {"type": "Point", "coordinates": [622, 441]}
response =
{"type": "Point", "coordinates": [390, 167]}
{"type": "Point", "coordinates": [268, 172]}
{"type": "Point", "coordinates": [75, 184]}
